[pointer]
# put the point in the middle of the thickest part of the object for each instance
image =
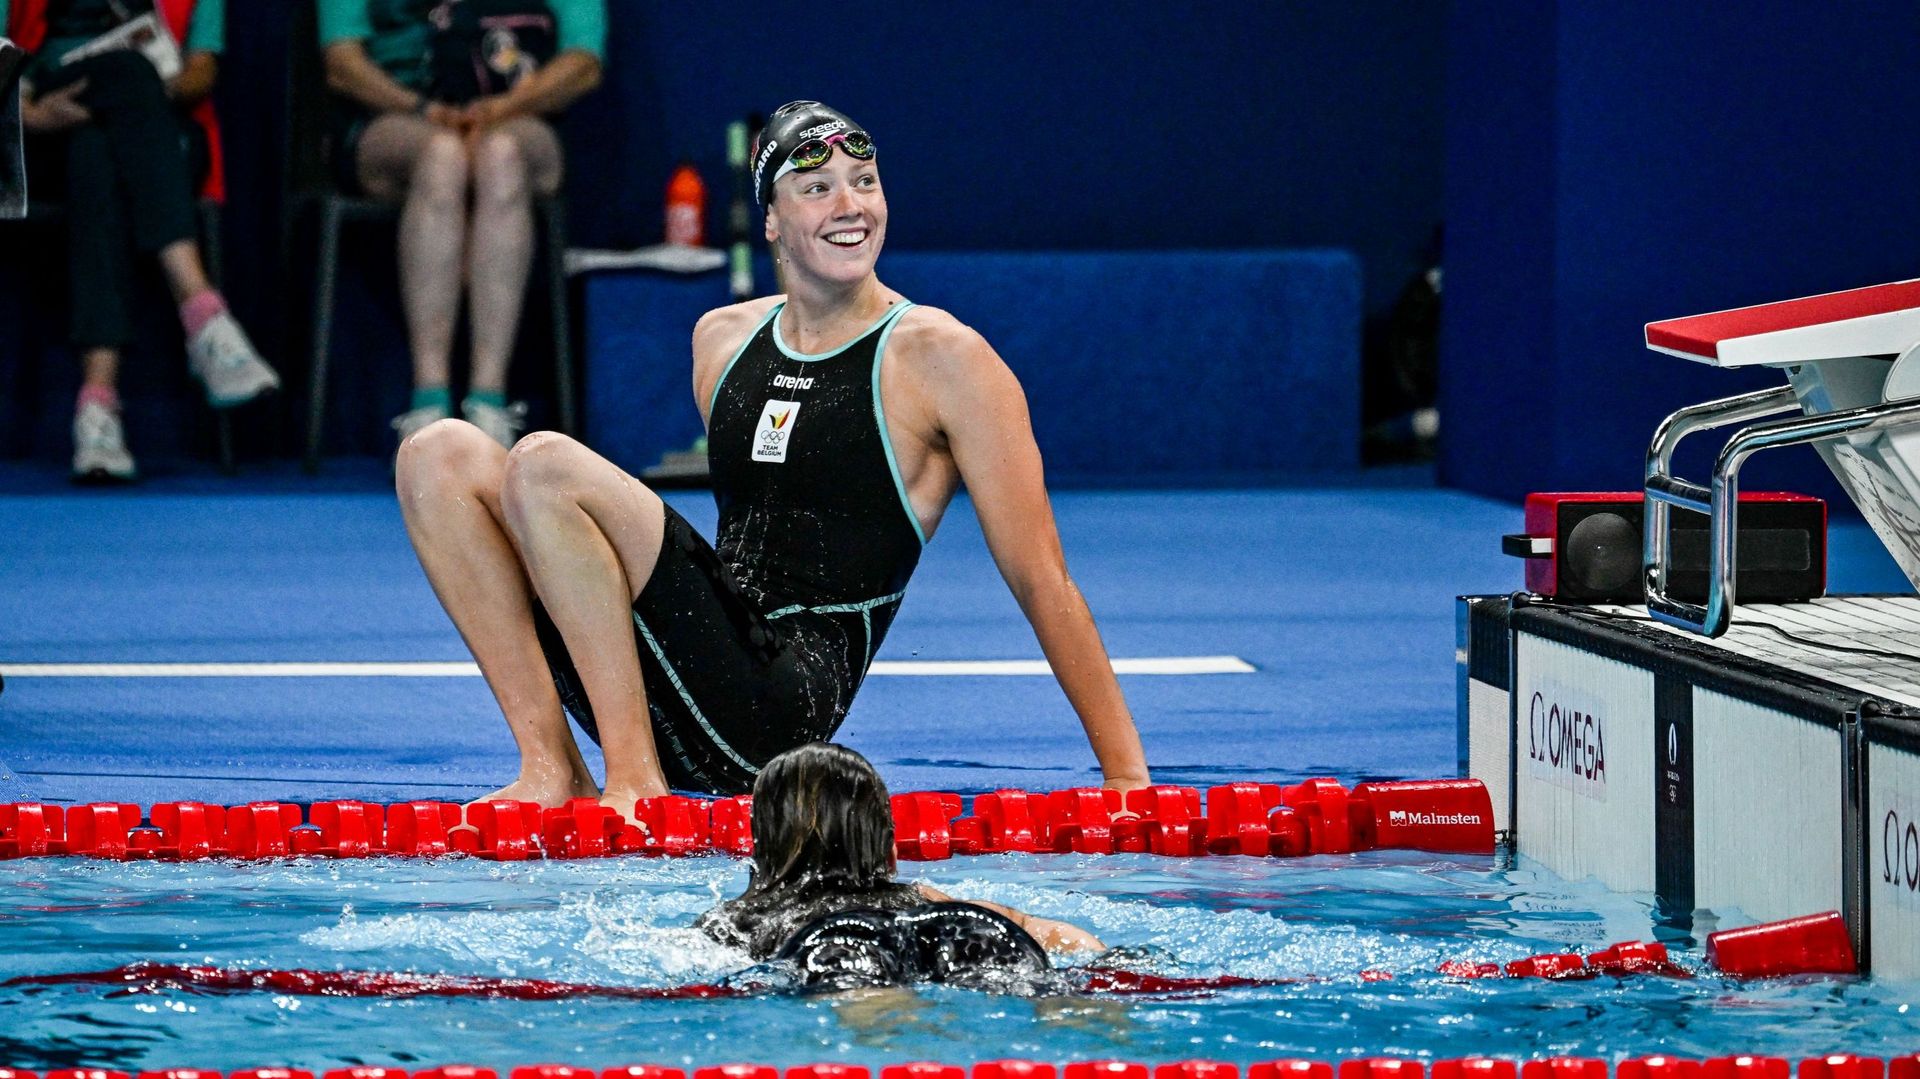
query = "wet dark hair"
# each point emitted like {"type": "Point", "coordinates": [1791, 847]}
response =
{"type": "Point", "coordinates": [821, 818]}
{"type": "Point", "coordinates": [822, 842]}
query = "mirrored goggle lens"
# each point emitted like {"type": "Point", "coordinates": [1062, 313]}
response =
{"type": "Point", "coordinates": [857, 144]}
{"type": "Point", "coordinates": [810, 154]}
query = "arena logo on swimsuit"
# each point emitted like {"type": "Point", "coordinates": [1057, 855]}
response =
{"type": "Point", "coordinates": [1567, 746]}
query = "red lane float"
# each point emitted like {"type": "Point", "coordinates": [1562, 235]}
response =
{"type": "Point", "coordinates": [1815, 944]}
{"type": "Point", "coordinates": [1650, 1067]}
{"type": "Point", "coordinates": [1318, 816]}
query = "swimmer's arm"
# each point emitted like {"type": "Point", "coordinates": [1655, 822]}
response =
{"type": "Point", "coordinates": [1051, 935]}
{"type": "Point", "coordinates": [982, 411]}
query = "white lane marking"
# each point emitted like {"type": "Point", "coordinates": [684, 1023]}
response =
{"type": "Point", "coordinates": [924, 668]}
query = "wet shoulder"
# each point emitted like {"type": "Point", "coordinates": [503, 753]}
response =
{"type": "Point", "coordinates": [723, 330]}
{"type": "Point", "coordinates": [932, 344]}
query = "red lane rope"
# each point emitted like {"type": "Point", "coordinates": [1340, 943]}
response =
{"type": "Point", "coordinates": [153, 977]}
{"type": "Point", "coordinates": [1318, 816]}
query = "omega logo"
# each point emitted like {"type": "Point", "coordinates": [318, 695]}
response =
{"type": "Point", "coordinates": [1900, 852]}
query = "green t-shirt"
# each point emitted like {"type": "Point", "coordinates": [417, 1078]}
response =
{"type": "Point", "coordinates": [206, 28]}
{"type": "Point", "coordinates": [397, 36]}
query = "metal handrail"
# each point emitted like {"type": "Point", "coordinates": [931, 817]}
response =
{"type": "Point", "coordinates": [1721, 502]}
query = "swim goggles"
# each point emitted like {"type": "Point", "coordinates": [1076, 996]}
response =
{"type": "Point", "coordinates": [814, 153]}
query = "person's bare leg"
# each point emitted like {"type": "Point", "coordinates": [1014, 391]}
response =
{"type": "Point", "coordinates": [100, 366]}
{"type": "Point", "coordinates": [449, 481]}
{"type": "Point", "coordinates": [407, 158]}
{"type": "Point", "coordinates": [186, 274]}
{"type": "Point", "coordinates": [589, 536]}
{"type": "Point", "coordinates": [511, 163]}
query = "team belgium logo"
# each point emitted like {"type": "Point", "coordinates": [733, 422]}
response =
{"type": "Point", "coordinates": [775, 431]}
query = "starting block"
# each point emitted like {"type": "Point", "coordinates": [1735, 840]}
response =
{"type": "Point", "coordinates": [1852, 363]}
{"type": "Point", "coordinates": [1745, 769]}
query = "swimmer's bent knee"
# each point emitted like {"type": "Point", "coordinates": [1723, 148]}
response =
{"type": "Point", "coordinates": [445, 449]}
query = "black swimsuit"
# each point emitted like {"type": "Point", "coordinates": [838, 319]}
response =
{"type": "Point", "coordinates": [757, 645]}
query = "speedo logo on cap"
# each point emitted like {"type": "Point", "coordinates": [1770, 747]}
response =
{"type": "Point", "coordinates": [822, 130]}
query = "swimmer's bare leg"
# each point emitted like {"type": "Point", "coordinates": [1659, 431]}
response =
{"type": "Point", "coordinates": [449, 479]}
{"type": "Point", "coordinates": [589, 536]}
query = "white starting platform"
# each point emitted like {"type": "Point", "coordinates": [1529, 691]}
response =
{"type": "Point", "coordinates": [1742, 764]}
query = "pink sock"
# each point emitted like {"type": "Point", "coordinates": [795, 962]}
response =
{"type": "Point", "coordinates": [104, 396]}
{"type": "Point", "coordinates": [200, 310]}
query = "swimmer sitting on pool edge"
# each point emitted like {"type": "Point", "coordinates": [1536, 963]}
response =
{"type": "Point", "coordinates": [822, 895]}
{"type": "Point", "coordinates": [841, 419]}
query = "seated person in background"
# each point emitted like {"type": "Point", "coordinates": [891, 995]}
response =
{"type": "Point", "coordinates": [465, 157]}
{"type": "Point", "coordinates": [124, 150]}
{"type": "Point", "coordinates": [822, 893]}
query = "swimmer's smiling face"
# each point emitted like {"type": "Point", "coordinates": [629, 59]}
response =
{"type": "Point", "coordinates": [830, 222]}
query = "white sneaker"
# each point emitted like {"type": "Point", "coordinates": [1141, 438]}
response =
{"type": "Point", "coordinates": [410, 423]}
{"type": "Point", "coordinates": [225, 360]}
{"type": "Point", "coordinates": [503, 425]}
{"type": "Point", "coordinates": [100, 446]}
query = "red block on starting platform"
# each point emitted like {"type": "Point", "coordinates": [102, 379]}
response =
{"type": "Point", "coordinates": [362, 1072]}
{"type": "Point", "coordinates": [271, 1073]}
{"type": "Point", "coordinates": [204, 1073]}
{"type": "Point", "coordinates": [457, 1071]}
{"type": "Point", "coordinates": [91, 1073]}
{"type": "Point", "coordinates": [16, 1073]}
{"type": "Point", "coordinates": [1815, 944]}
{"type": "Point", "coordinates": [733, 824]}
{"type": "Point", "coordinates": [1907, 1067]}
{"type": "Point", "coordinates": [922, 825]}
{"type": "Point", "coordinates": [1445, 815]}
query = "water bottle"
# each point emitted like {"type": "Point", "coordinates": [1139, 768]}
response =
{"type": "Point", "coordinates": [686, 207]}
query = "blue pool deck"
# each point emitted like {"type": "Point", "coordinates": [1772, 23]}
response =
{"type": "Point", "coordinates": [1340, 597]}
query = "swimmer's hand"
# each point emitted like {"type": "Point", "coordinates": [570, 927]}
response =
{"type": "Point", "coordinates": [1051, 935]}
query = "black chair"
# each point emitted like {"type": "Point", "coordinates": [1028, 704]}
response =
{"type": "Point", "coordinates": [48, 213]}
{"type": "Point", "coordinates": [311, 184]}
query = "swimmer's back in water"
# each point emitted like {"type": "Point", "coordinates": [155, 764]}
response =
{"type": "Point", "coordinates": [823, 844]}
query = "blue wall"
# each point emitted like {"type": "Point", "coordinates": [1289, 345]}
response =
{"type": "Point", "coordinates": [1005, 126]}
{"type": "Point", "coordinates": [1619, 163]}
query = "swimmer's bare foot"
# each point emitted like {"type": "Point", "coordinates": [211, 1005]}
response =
{"type": "Point", "coordinates": [621, 800]}
{"type": "Point", "coordinates": [549, 789]}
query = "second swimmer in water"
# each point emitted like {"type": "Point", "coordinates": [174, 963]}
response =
{"type": "Point", "coordinates": [822, 895]}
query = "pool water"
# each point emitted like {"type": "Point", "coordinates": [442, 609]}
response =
{"type": "Point", "coordinates": [1313, 925]}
